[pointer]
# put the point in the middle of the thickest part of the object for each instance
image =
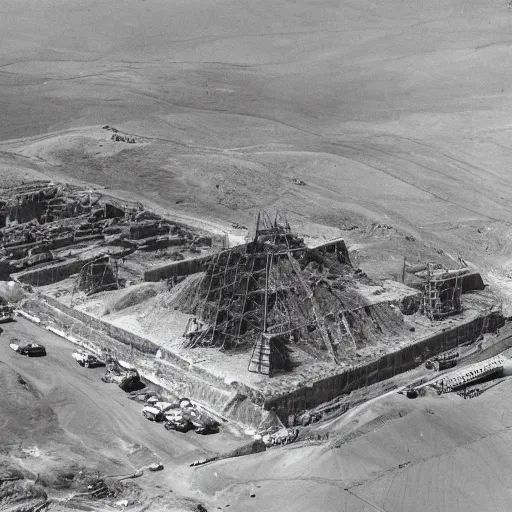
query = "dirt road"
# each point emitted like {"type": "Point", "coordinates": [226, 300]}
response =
{"type": "Point", "coordinates": [96, 420]}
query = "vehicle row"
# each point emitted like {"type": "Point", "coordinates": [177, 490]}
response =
{"type": "Point", "coordinates": [181, 415]}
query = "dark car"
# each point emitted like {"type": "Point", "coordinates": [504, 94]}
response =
{"type": "Point", "coordinates": [204, 424]}
{"type": "Point", "coordinates": [182, 425]}
{"type": "Point", "coordinates": [29, 349]}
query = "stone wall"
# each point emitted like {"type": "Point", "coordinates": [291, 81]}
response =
{"type": "Point", "coordinates": [177, 268]}
{"type": "Point", "coordinates": [468, 282]}
{"type": "Point", "coordinates": [383, 368]}
{"type": "Point", "coordinates": [237, 402]}
{"type": "Point", "coordinates": [168, 371]}
{"type": "Point", "coordinates": [194, 265]}
{"type": "Point", "coordinates": [139, 343]}
{"type": "Point", "coordinates": [26, 203]}
{"type": "Point", "coordinates": [51, 273]}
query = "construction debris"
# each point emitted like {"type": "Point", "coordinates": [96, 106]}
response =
{"type": "Point", "coordinates": [97, 276]}
{"type": "Point", "coordinates": [275, 292]}
{"type": "Point", "coordinates": [87, 360]}
{"type": "Point", "coordinates": [281, 437]}
{"type": "Point", "coordinates": [441, 297]}
{"type": "Point", "coordinates": [98, 489]}
{"type": "Point", "coordinates": [50, 232]}
{"type": "Point", "coordinates": [470, 374]}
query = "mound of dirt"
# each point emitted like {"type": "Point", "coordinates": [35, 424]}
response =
{"type": "Point", "coordinates": [11, 291]}
{"type": "Point", "coordinates": [420, 455]}
{"type": "Point", "coordinates": [22, 495]}
{"type": "Point", "coordinates": [25, 417]}
{"type": "Point", "coordinates": [133, 296]}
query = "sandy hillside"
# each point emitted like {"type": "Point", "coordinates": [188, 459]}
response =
{"type": "Point", "coordinates": [428, 454]}
{"type": "Point", "coordinates": [58, 419]}
{"type": "Point", "coordinates": [392, 113]}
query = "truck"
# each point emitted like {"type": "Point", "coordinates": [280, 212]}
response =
{"type": "Point", "coordinates": [6, 312]}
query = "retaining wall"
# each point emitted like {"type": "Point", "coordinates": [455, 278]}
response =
{"type": "Point", "coordinates": [177, 268]}
{"type": "Point", "coordinates": [137, 342]}
{"type": "Point", "coordinates": [194, 265]}
{"type": "Point", "coordinates": [244, 405]}
{"type": "Point", "coordinates": [168, 371]}
{"type": "Point", "coordinates": [52, 273]}
{"type": "Point", "coordinates": [468, 282]}
{"type": "Point", "coordinates": [383, 368]}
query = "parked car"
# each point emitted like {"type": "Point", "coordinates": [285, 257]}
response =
{"type": "Point", "coordinates": [28, 349]}
{"type": "Point", "coordinates": [176, 419]}
{"type": "Point", "coordinates": [124, 375]}
{"type": "Point", "coordinates": [152, 413]}
{"type": "Point", "coordinates": [203, 423]}
{"type": "Point", "coordinates": [164, 406]}
{"type": "Point", "coordinates": [87, 360]}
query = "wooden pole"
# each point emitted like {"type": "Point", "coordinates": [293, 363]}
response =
{"type": "Point", "coordinates": [257, 228]}
{"type": "Point", "coordinates": [266, 295]}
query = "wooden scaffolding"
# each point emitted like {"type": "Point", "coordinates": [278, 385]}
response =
{"type": "Point", "coordinates": [440, 300]}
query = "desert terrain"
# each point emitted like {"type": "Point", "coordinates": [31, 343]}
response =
{"type": "Point", "coordinates": [59, 419]}
{"type": "Point", "coordinates": [395, 115]}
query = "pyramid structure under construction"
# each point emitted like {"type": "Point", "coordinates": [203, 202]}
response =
{"type": "Point", "coordinates": [275, 292]}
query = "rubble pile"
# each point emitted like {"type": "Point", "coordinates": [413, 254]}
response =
{"type": "Point", "coordinates": [17, 493]}
{"type": "Point", "coordinates": [44, 223]}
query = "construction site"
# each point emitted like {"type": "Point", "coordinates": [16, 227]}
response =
{"type": "Point", "coordinates": [255, 256]}
{"type": "Point", "coordinates": [272, 324]}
